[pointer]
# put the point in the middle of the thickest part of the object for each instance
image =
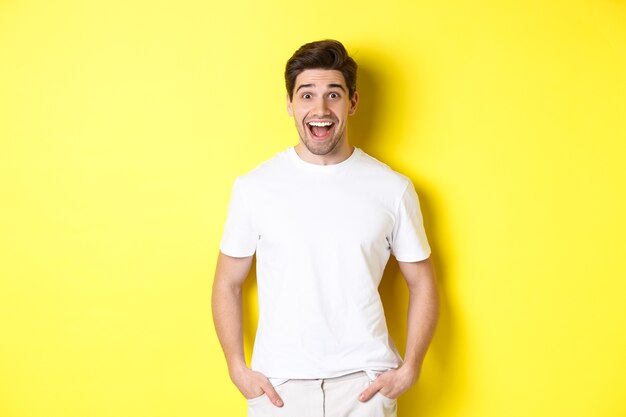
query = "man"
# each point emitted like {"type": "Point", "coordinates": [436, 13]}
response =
{"type": "Point", "coordinates": [323, 218]}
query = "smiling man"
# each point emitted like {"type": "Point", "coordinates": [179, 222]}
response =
{"type": "Point", "coordinates": [323, 218]}
{"type": "Point", "coordinates": [320, 106]}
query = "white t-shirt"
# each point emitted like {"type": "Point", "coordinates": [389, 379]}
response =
{"type": "Point", "coordinates": [322, 236]}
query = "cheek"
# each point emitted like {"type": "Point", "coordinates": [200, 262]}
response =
{"type": "Point", "coordinates": [301, 114]}
{"type": "Point", "coordinates": [342, 113]}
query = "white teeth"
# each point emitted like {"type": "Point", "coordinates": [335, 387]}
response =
{"type": "Point", "coordinates": [320, 124]}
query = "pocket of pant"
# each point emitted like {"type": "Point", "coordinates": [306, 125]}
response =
{"type": "Point", "coordinates": [387, 399]}
{"type": "Point", "coordinates": [256, 399]}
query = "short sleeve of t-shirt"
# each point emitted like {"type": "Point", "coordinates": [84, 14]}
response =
{"type": "Point", "coordinates": [409, 242]}
{"type": "Point", "coordinates": [239, 238]}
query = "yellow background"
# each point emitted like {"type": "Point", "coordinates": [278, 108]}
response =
{"type": "Point", "coordinates": [124, 123]}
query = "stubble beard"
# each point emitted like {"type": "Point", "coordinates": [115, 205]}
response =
{"type": "Point", "coordinates": [323, 148]}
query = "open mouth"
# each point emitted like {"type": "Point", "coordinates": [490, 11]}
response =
{"type": "Point", "coordinates": [320, 130]}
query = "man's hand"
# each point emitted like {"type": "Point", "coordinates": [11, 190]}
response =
{"type": "Point", "coordinates": [392, 383]}
{"type": "Point", "coordinates": [253, 384]}
{"type": "Point", "coordinates": [230, 273]}
{"type": "Point", "coordinates": [422, 318]}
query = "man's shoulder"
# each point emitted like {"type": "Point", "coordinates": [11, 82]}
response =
{"type": "Point", "coordinates": [381, 172]}
{"type": "Point", "coordinates": [267, 169]}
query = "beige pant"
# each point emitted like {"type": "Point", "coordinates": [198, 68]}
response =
{"type": "Point", "coordinates": [332, 397]}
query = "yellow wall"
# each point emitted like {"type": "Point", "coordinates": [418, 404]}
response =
{"type": "Point", "coordinates": [124, 123]}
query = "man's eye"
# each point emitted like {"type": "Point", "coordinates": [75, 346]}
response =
{"type": "Point", "coordinates": [306, 96]}
{"type": "Point", "coordinates": [333, 95]}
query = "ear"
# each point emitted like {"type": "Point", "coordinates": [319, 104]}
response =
{"type": "Point", "coordinates": [289, 106]}
{"type": "Point", "coordinates": [353, 103]}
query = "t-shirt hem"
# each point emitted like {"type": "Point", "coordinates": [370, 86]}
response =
{"type": "Point", "coordinates": [371, 374]}
{"type": "Point", "coordinates": [277, 380]}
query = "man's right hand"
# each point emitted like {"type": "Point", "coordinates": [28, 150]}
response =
{"type": "Point", "coordinates": [253, 384]}
{"type": "Point", "coordinates": [230, 274]}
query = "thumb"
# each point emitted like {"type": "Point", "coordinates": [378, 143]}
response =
{"type": "Point", "coordinates": [271, 393]}
{"type": "Point", "coordinates": [369, 392]}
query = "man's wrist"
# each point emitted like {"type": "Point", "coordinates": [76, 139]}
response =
{"type": "Point", "coordinates": [411, 369]}
{"type": "Point", "coordinates": [237, 367]}
{"type": "Point", "coordinates": [413, 361]}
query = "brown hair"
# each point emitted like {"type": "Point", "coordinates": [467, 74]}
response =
{"type": "Point", "coordinates": [327, 54]}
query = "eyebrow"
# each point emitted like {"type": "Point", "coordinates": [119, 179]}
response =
{"type": "Point", "coordinates": [329, 86]}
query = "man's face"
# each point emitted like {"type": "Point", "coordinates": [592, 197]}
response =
{"type": "Point", "coordinates": [320, 107]}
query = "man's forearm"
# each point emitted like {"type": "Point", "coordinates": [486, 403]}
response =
{"type": "Point", "coordinates": [422, 318]}
{"type": "Point", "coordinates": [423, 313]}
{"type": "Point", "coordinates": [227, 317]}
{"type": "Point", "coordinates": [230, 273]}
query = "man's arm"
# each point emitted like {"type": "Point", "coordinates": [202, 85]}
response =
{"type": "Point", "coordinates": [422, 318]}
{"type": "Point", "coordinates": [230, 274]}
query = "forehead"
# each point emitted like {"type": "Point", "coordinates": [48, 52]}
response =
{"type": "Point", "coordinates": [320, 78]}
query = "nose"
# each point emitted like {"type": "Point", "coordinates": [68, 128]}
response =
{"type": "Point", "coordinates": [321, 108]}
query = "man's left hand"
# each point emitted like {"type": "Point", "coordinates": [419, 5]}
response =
{"type": "Point", "coordinates": [392, 383]}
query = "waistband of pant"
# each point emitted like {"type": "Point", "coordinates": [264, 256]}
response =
{"type": "Point", "coordinates": [354, 375]}
{"type": "Point", "coordinates": [347, 377]}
